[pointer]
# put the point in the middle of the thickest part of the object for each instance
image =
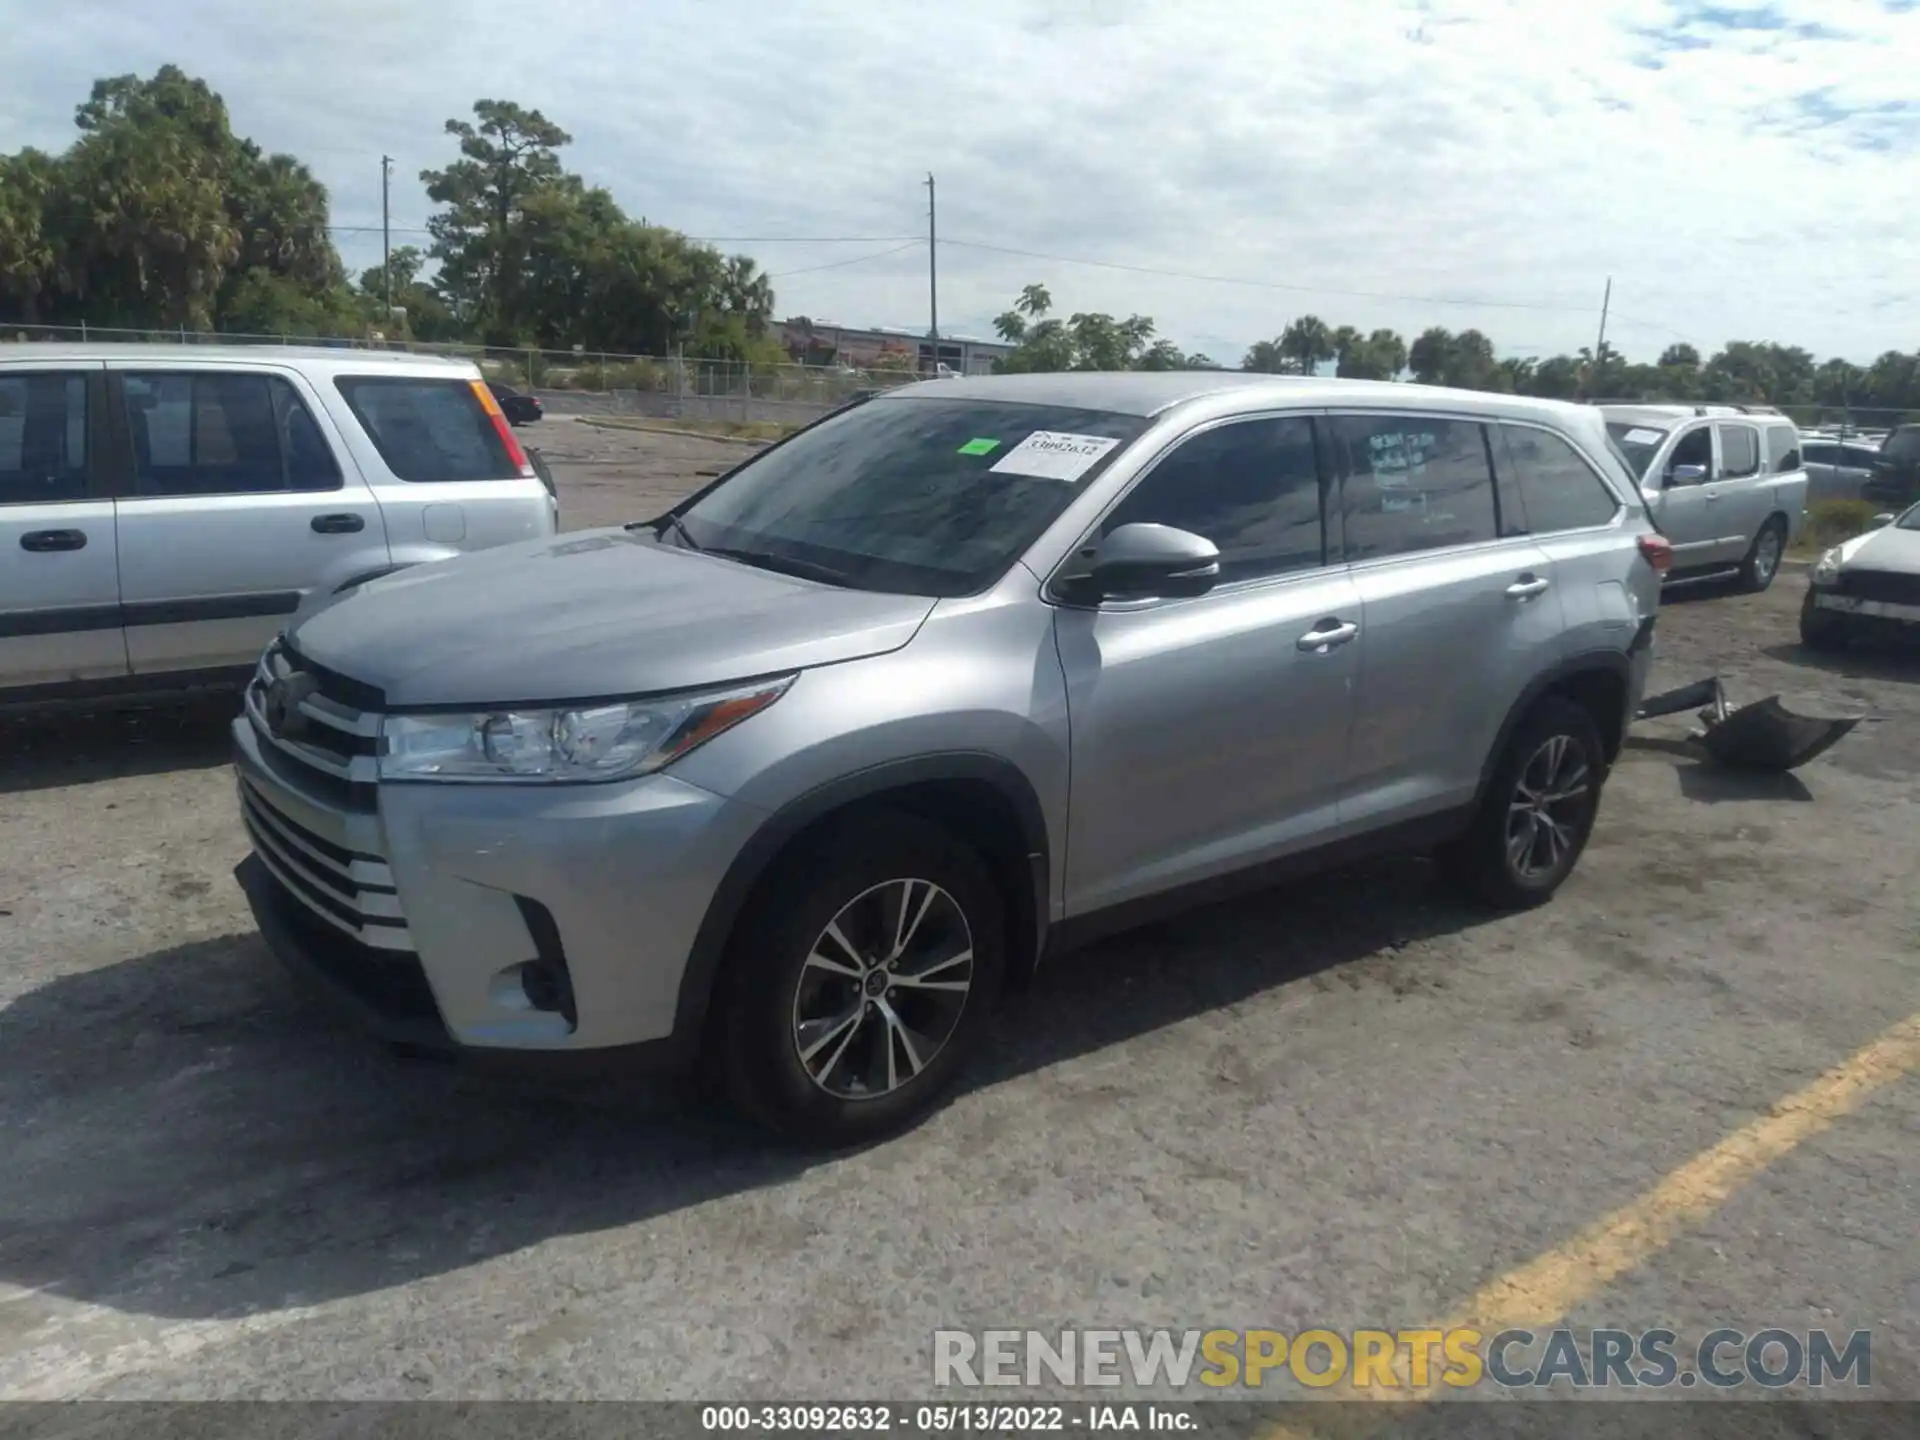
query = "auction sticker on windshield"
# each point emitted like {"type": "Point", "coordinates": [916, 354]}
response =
{"type": "Point", "coordinates": [1054, 455]}
{"type": "Point", "coordinates": [1644, 437]}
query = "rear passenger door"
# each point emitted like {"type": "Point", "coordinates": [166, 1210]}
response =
{"type": "Point", "coordinates": [235, 506]}
{"type": "Point", "coordinates": [447, 469]}
{"type": "Point", "coordinates": [59, 584]}
{"type": "Point", "coordinates": [1459, 611]}
{"type": "Point", "coordinates": [1744, 497]}
{"type": "Point", "coordinates": [1555, 493]}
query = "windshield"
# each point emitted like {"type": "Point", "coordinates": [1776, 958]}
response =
{"type": "Point", "coordinates": [1910, 520]}
{"type": "Point", "coordinates": [1639, 443]}
{"type": "Point", "coordinates": [1903, 444]}
{"type": "Point", "coordinates": [921, 497]}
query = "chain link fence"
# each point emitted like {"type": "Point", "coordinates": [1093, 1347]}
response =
{"type": "Point", "coordinates": [578, 382]}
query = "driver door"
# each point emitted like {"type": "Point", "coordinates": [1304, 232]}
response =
{"type": "Point", "coordinates": [1208, 733]}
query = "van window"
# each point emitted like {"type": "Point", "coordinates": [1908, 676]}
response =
{"type": "Point", "coordinates": [1410, 483]}
{"type": "Point", "coordinates": [222, 433]}
{"type": "Point", "coordinates": [43, 438]}
{"type": "Point", "coordinates": [1820, 452]}
{"type": "Point", "coordinates": [428, 431]}
{"type": "Point", "coordinates": [1783, 448]}
{"type": "Point", "coordinates": [1558, 489]}
{"type": "Point", "coordinates": [1251, 487]}
{"type": "Point", "coordinates": [1739, 452]}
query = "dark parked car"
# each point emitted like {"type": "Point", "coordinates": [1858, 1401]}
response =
{"type": "Point", "coordinates": [519, 407]}
{"type": "Point", "coordinates": [1895, 482]}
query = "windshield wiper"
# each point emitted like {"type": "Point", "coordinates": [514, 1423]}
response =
{"type": "Point", "coordinates": [661, 524]}
{"type": "Point", "coordinates": [786, 565]}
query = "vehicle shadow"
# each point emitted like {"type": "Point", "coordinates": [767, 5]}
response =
{"type": "Point", "coordinates": [42, 750]}
{"type": "Point", "coordinates": [187, 1140]}
{"type": "Point", "coordinates": [1710, 783]}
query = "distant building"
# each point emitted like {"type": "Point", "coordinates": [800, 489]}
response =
{"type": "Point", "coordinates": [821, 342]}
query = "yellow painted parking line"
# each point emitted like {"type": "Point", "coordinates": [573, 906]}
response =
{"type": "Point", "coordinates": [1550, 1286]}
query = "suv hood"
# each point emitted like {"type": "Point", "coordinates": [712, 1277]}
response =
{"type": "Point", "coordinates": [596, 613]}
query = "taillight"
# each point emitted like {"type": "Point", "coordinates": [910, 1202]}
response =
{"type": "Point", "coordinates": [515, 455]}
{"type": "Point", "coordinates": [1658, 553]}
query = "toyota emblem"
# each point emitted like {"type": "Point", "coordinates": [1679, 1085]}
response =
{"type": "Point", "coordinates": [280, 706]}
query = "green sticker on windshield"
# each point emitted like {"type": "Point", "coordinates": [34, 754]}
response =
{"type": "Point", "coordinates": [979, 447]}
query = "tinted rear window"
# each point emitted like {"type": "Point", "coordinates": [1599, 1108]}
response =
{"type": "Point", "coordinates": [429, 431]}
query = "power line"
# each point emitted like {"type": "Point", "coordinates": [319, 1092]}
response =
{"type": "Point", "coordinates": [856, 260]}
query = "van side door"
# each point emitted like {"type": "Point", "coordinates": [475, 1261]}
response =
{"type": "Point", "coordinates": [59, 580]}
{"type": "Point", "coordinates": [236, 505]}
{"type": "Point", "coordinates": [1745, 499]}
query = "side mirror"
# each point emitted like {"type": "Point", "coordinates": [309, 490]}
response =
{"type": "Point", "coordinates": [1142, 561]}
{"type": "Point", "coordinates": [1884, 519]}
{"type": "Point", "coordinates": [1686, 474]}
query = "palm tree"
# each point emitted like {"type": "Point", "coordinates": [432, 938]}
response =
{"type": "Point", "coordinates": [1306, 342]}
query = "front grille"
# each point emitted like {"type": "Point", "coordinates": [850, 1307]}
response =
{"type": "Point", "coordinates": [351, 890]}
{"type": "Point", "coordinates": [330, 728]}
{"type": "Point", "coordinates": [1887, 586]}
{"type": "Point", "coordinates": [393, 985]}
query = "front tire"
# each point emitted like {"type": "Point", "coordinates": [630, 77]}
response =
{"type": "Point", "coordinates": [1763, 557]}
{"type": "Point", "coordinates": [1820, 629]}
{"type": "Point", "coordinates": [860, 981]}
{"type": "Point", "coordinates": [1538, 810]}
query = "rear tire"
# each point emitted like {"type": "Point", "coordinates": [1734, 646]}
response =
{"type": "Point", "coordinates": [832, 1032]}
{"type": "Point", "coordinates": [1537, 812]}
{"type": "Point", "coordinates": [1825, 630]}
{"type": "Point", "coordinates": [1763, 556]}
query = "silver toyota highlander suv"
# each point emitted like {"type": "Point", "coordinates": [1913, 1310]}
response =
{"type": "Point", "coordinates": [797, 777]}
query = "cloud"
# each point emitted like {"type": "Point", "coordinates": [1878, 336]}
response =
{"type": "Point", "coordinates": [1740, 170]}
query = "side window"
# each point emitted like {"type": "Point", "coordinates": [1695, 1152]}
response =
{"type": "Point", "coordinates": [1739, 452]}
{"type": "Point", "coordinates": [1859, 459]}
{"type": "Point", "coordinates": [1783, 448]}
{"type": "Point", "coordinates": [43, 437]}
{"type": "Point", "coordinates": [1694, 448]}
{"type": "Point", "coordinates": [1816, 453]}
{"type": "Point", "coordinates": [1559, 490]}
{"type": "Point", "coordinates": [1251, 487]}
{"type": "Point", "coordinates": [1410, 483]}
{"type": "Point", "coordinates": [216, 433]}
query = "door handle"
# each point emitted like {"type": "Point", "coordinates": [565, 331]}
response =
{"type": "Point", "coordinates": [1527, 586]}
{"type": "Point", "coordinates": [338, 524]}
{"type": "Point", "coordinates": [1326, 636]}
{"type": "Point", "coordinates": [42, 541]}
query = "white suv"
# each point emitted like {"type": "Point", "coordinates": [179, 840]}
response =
{"type": "Point", "coordinates": [1726, 485]}
{"type": "Point", "coordinates": [165, 508]}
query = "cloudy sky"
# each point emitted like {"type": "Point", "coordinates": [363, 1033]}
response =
{"type": "Point", "coordinates": [1740, 170]}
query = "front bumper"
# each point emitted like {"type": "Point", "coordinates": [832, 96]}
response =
{"type": "Point", "coordinates": [415, 907]}
{"type": "Point", "coordinates": [1886, 611]}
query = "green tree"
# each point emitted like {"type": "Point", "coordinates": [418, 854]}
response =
{"type": "Point", "coordinates": [1265, 357]}
{"type": "Point", "coordinates": [1306, 342]}
{"type": "Point", "coordinates": [1681, 355]}
{"type": "Point", "coordinates": [1427, 356]}
{"type": "Point", "coordinates": [28, 250]}
{"type": "Point", "coordinates": [506, 159]}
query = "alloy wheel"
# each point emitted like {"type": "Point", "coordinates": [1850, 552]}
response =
{"type": "Point", "coordinates": [882, 989]}
{"type": "Point", "coordinates": [1546, 811]}
{"type": "Point", "coordinates": [1766, 555]}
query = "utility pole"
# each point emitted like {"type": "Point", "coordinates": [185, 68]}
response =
{"type": "Point", "coordinates": [933, 277]}
{"type": "Point", "coordinates": [386, 242]}
{"type": "Point", "coordinates": [1600, 345]}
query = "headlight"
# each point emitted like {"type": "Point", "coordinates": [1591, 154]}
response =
{"type": "Point", "coordinates": [587, 743]}
{"type": "Point", "coordinates": [1826, 569]}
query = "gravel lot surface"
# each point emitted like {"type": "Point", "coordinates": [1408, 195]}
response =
{"type": "Point", "coordinates": [1350, 1102]}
